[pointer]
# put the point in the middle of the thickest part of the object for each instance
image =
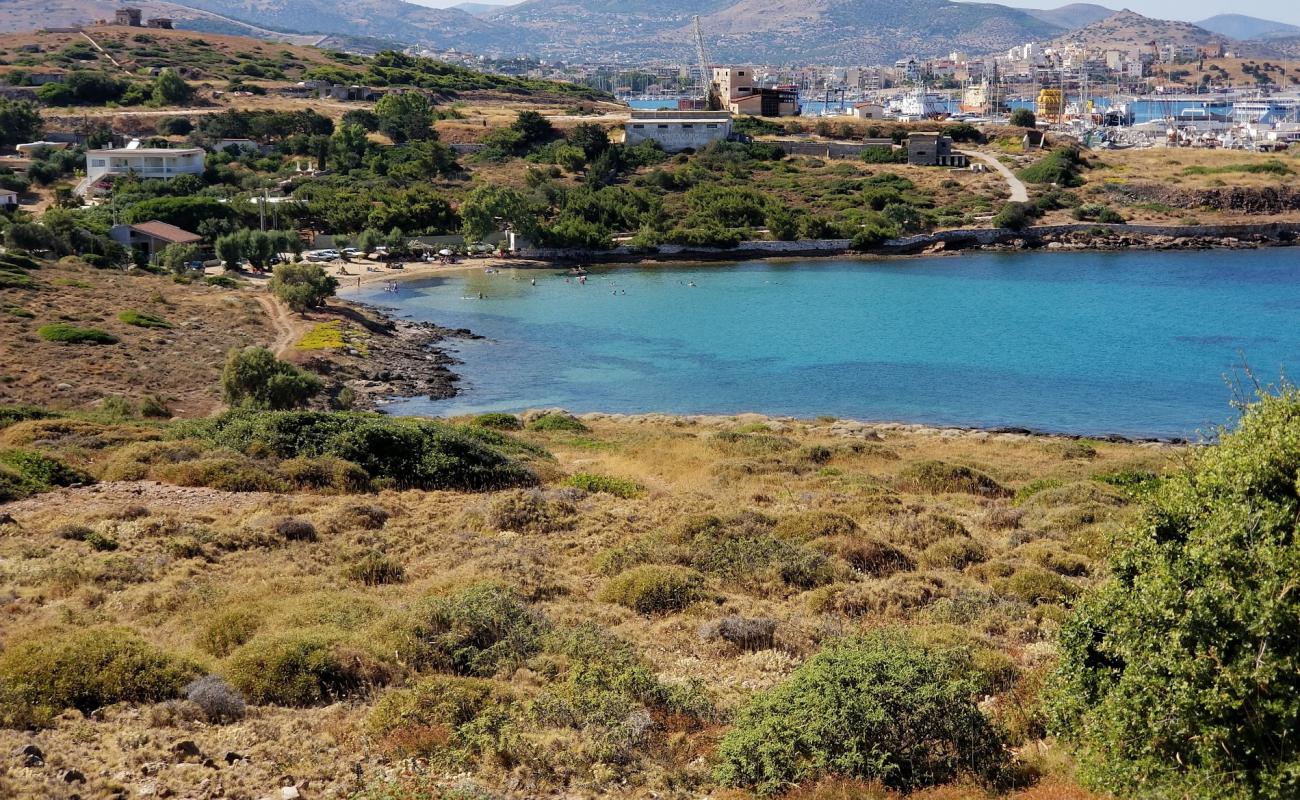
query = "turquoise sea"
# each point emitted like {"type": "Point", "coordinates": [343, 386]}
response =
{"type": "Point", "coordinates": [1132, 343]}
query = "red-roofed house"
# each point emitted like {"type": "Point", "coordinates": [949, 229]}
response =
{"type": "Point", "coordinates": [152, 235]}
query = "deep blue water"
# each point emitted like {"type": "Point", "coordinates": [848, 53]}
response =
{"type": "Point", "coordinates": [1135, 343]}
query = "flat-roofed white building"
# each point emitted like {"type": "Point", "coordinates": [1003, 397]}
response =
{"type": "Point", "coordinates": [677, 130]}
{"type": "Point", "coordinates": [144, 162]}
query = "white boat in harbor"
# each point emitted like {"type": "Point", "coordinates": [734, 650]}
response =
{"type": "Point", "coordinates": [923, 105]}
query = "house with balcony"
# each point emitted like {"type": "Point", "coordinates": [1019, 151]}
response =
{"type": "Point", "coordinates": [143, 162]}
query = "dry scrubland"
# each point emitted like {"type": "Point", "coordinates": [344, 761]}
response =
{"type": "Point", "coordinates": [589, 632]}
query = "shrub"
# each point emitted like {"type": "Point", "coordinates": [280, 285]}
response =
{"type": "Point", "coordinates": [1023, 118]}
{"type": "Point", "coordinates": [375, 569]}
{"type": "Point", "coordinates": [294, 529]}
{"type": "Point", "coordinates": [100, 542]}
{"type": "Point", "coordinates": [940, 477]}
{"type": "Point", "coordinates": [452, 721]}
{"type": "Point", "coordinates": [1036, 585]}
{"type": "Point", "coordinates": [742, 548]}
{"type": "Point", "coordinates": [529, 511]}
{"type": "Point", "coordinates": [13, 414]}
{"type": "Point", "coordinates": [41, 471]}
{"type": "Point", "coordinates": [360, 516]}
{"type": "Point", "coordinates": [220, 702]}
{"type": "Point", "coordinates": [653, 589]}
{"type": "Point", "coordinates": [64, 333]}
{"type": "Point", "coordinates": [325, 473]}
{"type": "Point", "coordinates": [750, 444]}
{"type": "Point", "coordinates": [302, 286]}
{"type": "Point", "coordinates": [501, 422]}
{"type": "Point", "coordinates": [897, 595]}
{"type": "Point", "coordinates": [477, 631]}
{"type": "Point", "coordinates": [254, 378]}
{"type": "Point", "coordinates": [868, 555]}
{"type": "Point", "coordinates": [922, 530]}
{"type": "Point", "coordinates": [746, 634]}
{"type": "Point", "coordinates": [228, 630]}
{"type": "Point", "coordinates": [619, 487]}
{"type": "Point", "coordinates": [1060, 167]}
{"type": "Point", "coordinates": [223, 473]}
{"type": "Point", "coordinates": [301, 668]}
{"type": "Point", "coordinates": [85, 669]}
{"type": "Point", "coordinates": [557, 422]}
{"type": "Point", "coordinates": [1177, 674]}
{"type": "Point", "coordinates": [877, 707]}
{"type": "Point", "coordinates": [405, 453]}
{"type": "Point", "coordinates": [142, 320]}
{"type": "Point", "coordinates": [814, 525]}
{"type": "Point", "coordinates": [1012, 216]}
{"type": "Point", "coordinates": [956, 552]}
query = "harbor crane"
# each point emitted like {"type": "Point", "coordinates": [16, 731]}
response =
{"type": "Point", "coordinates": [712, 101]}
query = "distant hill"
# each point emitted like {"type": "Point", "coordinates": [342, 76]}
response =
{"type": "Point", "coordinates": [1072, 16]}
{"type": "Point", "coordinates": [1127, 29]}
{"type": "Point", "coordinates": [479, 9]}
{"type": "Point", "coordinates": [26, 15]}
{"type": "Point", "coordinates": [771, 31]}
{"type": "Point", "coordinates": [1240, 26]}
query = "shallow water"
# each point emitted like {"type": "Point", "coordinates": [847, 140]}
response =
{"type": "Point", "coordinates": [1135, 343]}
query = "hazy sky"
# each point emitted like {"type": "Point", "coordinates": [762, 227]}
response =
{"type": "Point", "coordinates": [1190, 10]}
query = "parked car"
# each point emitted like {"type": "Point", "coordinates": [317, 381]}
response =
{"type": "Point", "coordinates": [322, 255]}
{"type": "Point", "coordinates": [351, 252]}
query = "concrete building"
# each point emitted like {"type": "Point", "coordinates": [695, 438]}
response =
{"type": "Point", "coordinates": [144, 162]}
{"type": "Point", "coordinates": [127, 16]}
{"type": "Point", "coordinates": [933, 150]}
{"type": "Point", "coordinates": [161, 22]}
{"type": "Point", "coordinates": [152, 236]}
{"type": "Point", "coordinates": [733, 82]}
{"type": "Point", "coordinates": [677, 130]}
{"type": "Point", "coordinates": [741, 94]}
{"type": "Point", "coordinates": [869, 111]}
{"type": "Point", "coordinates": [8, 199]}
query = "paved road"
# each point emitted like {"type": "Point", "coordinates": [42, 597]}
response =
{"type": "Point", "coordinates": [1018, 192]}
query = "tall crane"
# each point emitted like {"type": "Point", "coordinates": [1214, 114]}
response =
{"type": "Point", "coordinates": [706, 79]}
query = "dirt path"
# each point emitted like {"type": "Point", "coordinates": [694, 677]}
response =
{"type": "Point", "coordinates": [1018, 192]}
{"type": "Point", "coordinates": [288, 329]}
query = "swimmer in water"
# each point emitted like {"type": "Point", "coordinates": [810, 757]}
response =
{"type": "Point", "coordinates": [534, 281]}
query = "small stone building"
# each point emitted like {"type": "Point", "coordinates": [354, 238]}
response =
{"type": "Point", "coordinates": [933, 150]}
{"type": "Point", "coordinates": [130, 17]}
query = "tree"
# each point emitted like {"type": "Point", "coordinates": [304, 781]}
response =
{"type": "Point", "coordinates": [1023, 118]}
{"type": "Point", "coordinates": [253, 377]}
{"type": "Point", "coordinates": [368, 241]}
{"type": "Point", "coordinates": [302, 286]}
{"type": "Point", "coordinates": [348, 148]}
{"type": "Point", "coordinates": [592, 138]}
{"type": "Point", "coordinates": [258, 247]}
{"type": "Point", "coordinates": [20, 121]}
{"type": "Point", "coordinates": [1178, 674]}
{"type": "Point", "coordinates": [171, 90]}
{"type": "Point", "coordinates": [178, 257]}
{"type": "Point", "coordinates": [489, 206]}
{"type": "Point", "coordinates": [405, 117]}
{"type": "Point", "coordinates": [880, 707]}
{"type": "Point", "coordinates": [230, 249]}
{"type": "Point", "coordinates": [362, 117]}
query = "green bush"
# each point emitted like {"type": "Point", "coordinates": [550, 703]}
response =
{"type": "Point", "coordinates": [750, 444]}
{"type": "Point", "coordinates": [604, 484]}
{"type": "Point", "coordinates": [12, 414]}
{"type": "Point", "coordinates": [1032, 584]}
{"type": "Point", "coordinates": [1178, 673]}
{"type": "Point", "coordinates": [1023, 118]}
{"type": "Point", "coordinates": [402, 452]}
{"type": "Point", "coordinates": [85, 669]}
{"type": "Point", "coordinates": [477, 632]}
{"type": "Point", "coordinates": [1060, 167]}
{"type": "Point", "coordinates": [501, 422]}
{"type": "Point", "coordinates": [940, 478]}
{"type": "Point", "coordinates": [228, 630]}
{"type": "Point", "coordinates": [142, 320]}
{"type": "Point", "coordinates": [878, 707]}
{"type": "Point", "coordinates": [814, 525]}
{"type": "Point", "coordinates": [957, 552]}
{"type": "Point", "coordinates": [449, 720]}
{"type": "Point", "coordinates": [70, 334]}
{"type": "Point", "coordinates": [325, 474]}
{"type": "Point", "coordinates": [302, 668]}
{"type": "Point", "coordinates": [557, 422]}
{"type": "Point", "coordinates": [1012, 216]}
{"type": "Point", "coordinates": [254, 378]}
{"type": "Point", "coordinates": [41, 471]}
{"type": "Point", "coordinates": [653, 589]}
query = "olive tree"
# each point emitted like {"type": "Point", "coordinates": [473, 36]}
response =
{"type": "Point", "coordinates": [302, 286]}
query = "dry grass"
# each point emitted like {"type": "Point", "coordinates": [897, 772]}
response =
{"type": "Point", "coordinates": [181, 365]}
{"type": "Point", "coordinates": [191, 559]}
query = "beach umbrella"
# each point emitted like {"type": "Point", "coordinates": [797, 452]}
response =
{"type": "Point", "coordinates": [444, 252]}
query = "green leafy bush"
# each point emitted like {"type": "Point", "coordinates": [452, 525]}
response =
{"type": "Point", "coordinates": [70, 334]}
{"type": "Point", "coordinates": [477, 632]}
{"type": "Point", "coordinates": [142, 320]}
{"type": "Point", "coordinates": [879, 707]}
{"type": "Point", "coordinates": [228, 630]}
{"type": "Point", "coordinates": [604, 484]}
{"type": "Point", "coordinates": [407, 453]}
{"type": "Point", "coordinates": [557, 422]}
{"type": "Point", "coordinates": [1060, 167]}
{"type": "Point", "coordinates": [254, 378]}
{"type": "Point", "coordinates": [42, 471]}
{"type": "Point", "coordinates": [85, 669]}
{"type": "Point", "coordinates": [498, 421]}
{"type": "Point", "coordinates": [940, 477]}
{"type": "Point", "coordinates": [654, 589]}
{"type": "Point", "coordinates": [451, 721]}
{"type": "Point", "coordinates": [1035, 585]}
{"type": "Point", "coordinates": [1178, 673]}
{"type": "Point", "coordinates": [302, 668]}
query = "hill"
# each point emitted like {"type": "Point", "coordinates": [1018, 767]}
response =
{"type": "Point", "coordinates": [847, 31]}
{"type": "Point", "coordinates": [1240, 26]}
{"type": "Point", "coordinates": [1072, 16]}
{"type": "Point", "coordinates": [25, 15]}
{"type": "Point", "coordinates": [1128, 29]}
{"type": "Point", "coordinates": [479, 9]}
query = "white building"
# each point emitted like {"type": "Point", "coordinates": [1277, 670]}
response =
{"type": "Point", "coordinates": [144, 162]}
{"type": "Point", "coordinates": [8, 198]}
{"type": "Point", "coordinates": [677, 130]}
